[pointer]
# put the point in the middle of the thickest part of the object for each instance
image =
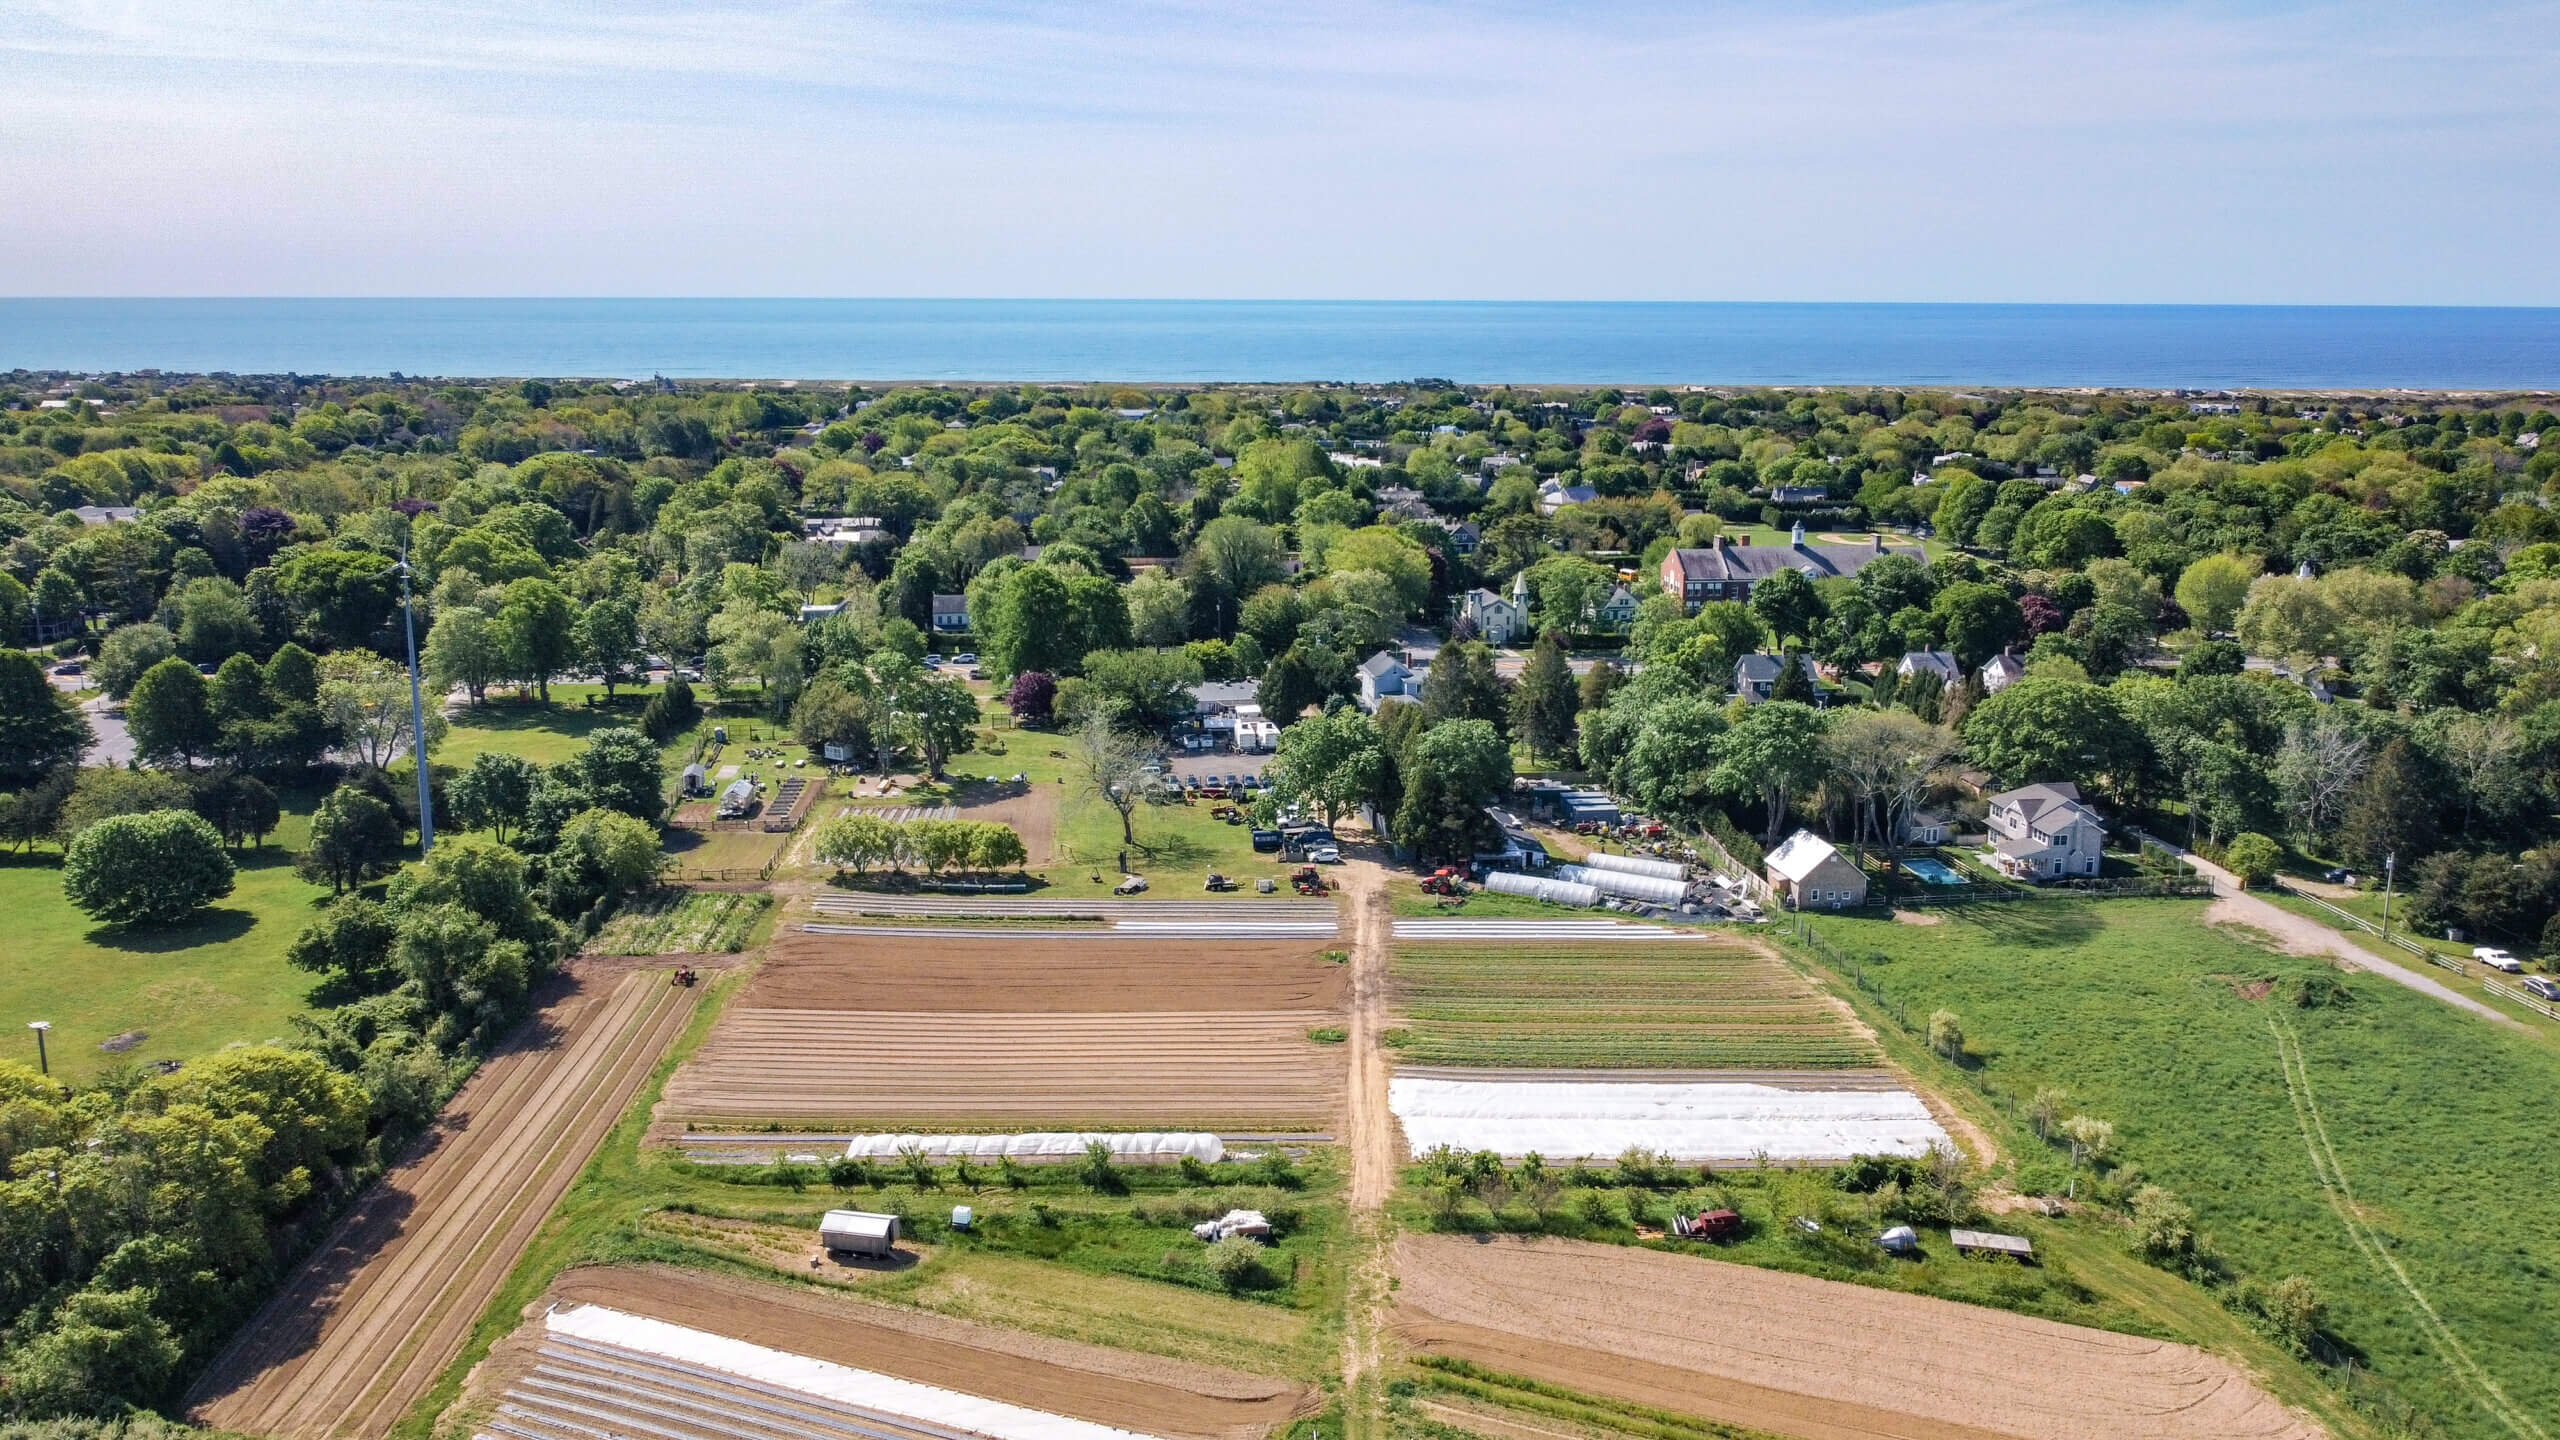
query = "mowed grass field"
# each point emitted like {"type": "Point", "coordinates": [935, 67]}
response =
{"type": "Point", "coordinates": [1684, 1004]}
{"type": "Point", "coordinates": [2394, 1150]}
{"type": "Point", "coordinates": [193, 988]}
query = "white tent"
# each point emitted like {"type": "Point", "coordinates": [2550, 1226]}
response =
{"type": "Point", "coordinates": [1653, 889]}
{"type": "Point", "coordinates": [1561, 892]}
{"type": "Point", "coordinates": [1137, 1148]}
{"type": "Point", "coordinates": [1636, 865]}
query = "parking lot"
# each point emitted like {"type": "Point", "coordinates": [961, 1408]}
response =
{"type": "Point", "coordinates": [1204, 766]}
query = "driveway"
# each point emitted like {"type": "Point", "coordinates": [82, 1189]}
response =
{"type": "Point", "coordinates": [2300, 935]}
{"type": "Point", "coordinates": [114, 743]}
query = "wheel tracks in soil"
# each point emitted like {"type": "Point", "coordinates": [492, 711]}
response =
{"type": "Point", "coordinates": [2332, 1175]}
{"type": "Point", "coordinates": [1370, 1129]}
{"type": "Point", "coordinates": [473, 1203]}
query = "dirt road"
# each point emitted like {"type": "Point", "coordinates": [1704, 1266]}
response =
{"type": "Point", "coordinates": [1807, 1357]}
{"type": "Point", "coordinates": [367, 1324]}
{"type": "Point", "coordinates": [1368, 1128]}
{"type": "Point", "coordinates": [2298, 935]}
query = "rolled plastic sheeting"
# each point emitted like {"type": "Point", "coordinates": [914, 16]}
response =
{"type": "Point", "coordinates": [1636, 865]}
{"type": "Point", "coordinates": [1137, 1147]}
{"type": "Point", "coordinates": [1687, 1120]}
{"type": "Point", "coordinates": [1539, 887]}
{"type": "Point", "coordinates": [1652, 889]}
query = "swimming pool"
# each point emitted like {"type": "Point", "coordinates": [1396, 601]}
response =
{"type": "Point", "coordinates": [1936, 872]}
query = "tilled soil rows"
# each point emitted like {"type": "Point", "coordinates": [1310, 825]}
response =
{"type": "Point", "coordinates": [367, 1324]}
{"type": "Point", "coordinates": [969, 1069]}
{"type": "Point", "coordinates": [1814, 1358]}
{"type": "Point", "coordinates": [856, 972]}
{"type": "Point", "coordinates": [1148, 1394]}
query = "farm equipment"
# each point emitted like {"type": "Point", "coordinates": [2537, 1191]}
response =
{"type": "Point", "coordinates": [1130, 886]}
{"type": "Point", "coordinates": [1219, 883]}
{"type": "Point", "coordinates": [1444, 881]}
{"type": "Point", "coordinates": [1228, 813]}
{"type": "Point", "coordinates": [684, 976]}
{"type": "Point", "coordinates": [1306, 881]}
{"type": "Point", "coordinates": [1706, 1225]}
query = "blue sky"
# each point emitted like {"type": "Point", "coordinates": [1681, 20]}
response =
{"type": "Point", "coordinates": [1961, 150]}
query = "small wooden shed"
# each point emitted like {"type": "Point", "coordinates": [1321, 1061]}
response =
{"type": "Point", "coordinates": [859, 1232]}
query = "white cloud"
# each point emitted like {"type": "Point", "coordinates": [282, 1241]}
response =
{"type": "Point", "coordinates": [1978, 149]}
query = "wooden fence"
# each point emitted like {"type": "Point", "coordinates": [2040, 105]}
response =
{"type": "Point", "coordinates": [2455, 963]}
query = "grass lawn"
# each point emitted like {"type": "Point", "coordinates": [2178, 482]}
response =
{"type": "Point", "coordinates": [2392, 1149]}
{"type": "Point", "coordinates": [2468, 982]}
{"type": "Point", "coordinates": [194, 988]}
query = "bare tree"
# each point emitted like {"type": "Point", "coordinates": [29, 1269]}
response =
{"type": "Point", "coordinates": [1887, 760]}
{"type": "Point", "coordinates": [2319, 762]}
{"type": "Point", "coordinates": [1113, 765]}
{"type": "Point", "coordinates": [2475, 748]}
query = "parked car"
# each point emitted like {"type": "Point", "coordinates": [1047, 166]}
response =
{"type": "Point", "coordinates": [968, 659]}
{"type": "Point", "coordinates": [2497, 959]}
{"type": "Point", "coordinates": [2541, 985]}
{"type": "Point", "coordinates": [933, 662]}
{"type": "Point", "coordinates": [70, 667]}
{"type": "Point", "coordinates": [1325, 854]}
{"type": "Point", "coordinates": [2338, 875]}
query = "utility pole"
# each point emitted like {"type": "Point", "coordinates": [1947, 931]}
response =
{"type": "Point", "coordinates": [2390, 861]}
{"type": "Point", "coordinates": [43, 1064]}
{"type": "Point", "coordinates": [417, 708]}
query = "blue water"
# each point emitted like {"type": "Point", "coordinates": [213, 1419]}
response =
{"type": "Point", "coordinates": [1936, 872]}
{"type": "Point", "coordinates": [2199, 346]}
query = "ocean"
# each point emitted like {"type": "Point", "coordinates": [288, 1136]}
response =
{"type": "Point", "coordinates": [1528, 342]}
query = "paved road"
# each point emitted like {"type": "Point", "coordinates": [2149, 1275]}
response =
{"type": "Point", "coordinates": [114, 743]}
{"type": "Point", "coordinates": [2306, 936]}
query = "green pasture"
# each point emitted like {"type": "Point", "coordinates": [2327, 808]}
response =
{"type": "Point", "coordinates": [2392, 1149]}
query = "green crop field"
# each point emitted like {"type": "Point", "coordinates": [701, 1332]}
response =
{"type": "Point", "coordinates": [683, 922]}
{"type": "Point", "coordinates": [2394, 1150]}
{"type": "Point", "coordinates": [1680, 1005]}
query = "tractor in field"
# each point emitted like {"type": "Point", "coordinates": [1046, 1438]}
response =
{"type": "Point", "coordinates": [1307, 881]}
{"type": "Point", "coordinates": [1445, 881]}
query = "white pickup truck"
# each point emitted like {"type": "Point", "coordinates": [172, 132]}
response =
{"type": "Point", "coordinates": [2497, 959]}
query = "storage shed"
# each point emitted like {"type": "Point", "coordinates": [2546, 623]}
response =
{"type": "Point", "coordinates": [859, 1232]}
{"type": "Point", "coordinates": [697, 781]}
{"type": "Point", "coordinates": [738, 799]}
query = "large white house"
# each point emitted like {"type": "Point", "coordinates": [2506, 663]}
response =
{"type": "Point", "coordinates": [2043, 832]}
{"type": "Point", "coordinates": [1385, 676]}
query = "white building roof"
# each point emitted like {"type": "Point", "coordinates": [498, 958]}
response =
{"type": "Point", "coordinates": [1803, 853]}
{"type": "Point", "coordinates": [859, 1222]}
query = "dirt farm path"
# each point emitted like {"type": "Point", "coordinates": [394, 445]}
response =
{"type": "Point", "coordinates": [367, 1324]}
{"type": "Point", "coordinates": [1369, 1131]}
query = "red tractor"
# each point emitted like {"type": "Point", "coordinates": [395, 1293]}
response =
{"type": "Point", "coordinates": [1306, 881]}
{"type": "Point", "coordinates": [1444, 881]}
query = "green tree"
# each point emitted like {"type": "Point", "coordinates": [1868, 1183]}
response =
{"type": "Point", "coordinates": [495, 792]}
{"type": "Point", "coordinates": [156, 868]}
{"type": "Point", "coordinates": [1668, 764]}
{"type": "Point", "coordinates": [1977, 620]}
{"type": "Point", "coordinates": [465, 650]}
{"type": "Point", "coordinates": [367, 702]}
{"type": "Point", "coordinates": [126, 653]}
{"type": "Point", "coordinates": [39, 728]}
{"type": "Point", "coordinates": [2212, 589]}
{"type": "Point", "coordinates": [1144, 689]}
{"type": "Point", "coordinates": [1772, 752]}
{"type": "Point", "coordinates": [240, 806]}
{"type": "Point", "coordinates": [1788, 604]}
{"type": "Point", "coordinates": [1462, 685]}
{"type": "Point", "coordinates": [670, 712]}
{"type": "Point", "coordinates": [1019, 618]}
{"type": "Point", "coordinates": [1453, 770]}
{"type": "Point", "coordinates": [169, 715]}
{"type": "Point", "coordinates": [354, 838]}
{"type": "Point", "coordinates": [2253, 857]}
{"type": "Point", "coordinates": [352, 939]}
{"type": "Point", "coordinates": [1236, 557]}
{"type": "Point", "coordinates": [622, 769]}
{"type": "Point", "coordinates": [2048, 728]}
{"type": "Point", "coordinates": [103, 1351]}
{"type": "Point", "coordinates": [1288, 686]}
{"type": "Point", "coordinates": [340, 598]}
{"type": "Point", "coordinates": [601, 853]}
{"type": "Point", "coordinates": [856, 842]}
{"type": "Point", "coordinates": [538, 632]}
{"type": "Point", "coordinates": [1543, 707]}
{"type": "Point", "coordinates": [214, 620]}
{"type": "Point", "coordinates": [2388, 812]}
{"type": "Point", "coordinates": [100, 793]}
{"type": "Point", "coordinates": [936, 717]}
{"type": "Point", "coordinates": [1330, 764]}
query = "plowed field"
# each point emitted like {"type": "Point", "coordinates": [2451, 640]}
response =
{"type": "Point", "coordinates": [1148, 1394]}
{"type": "Point", "coordinates": [964, 1032]}
{"type": "Point", "coordinates": [364, 1328]}
{"type": "Point", "coordinates": [856, 972]}
{"type": "Point", "coordinates": [1807, 1357]}
{"type": "Point", "coordinates": [963, 1069]}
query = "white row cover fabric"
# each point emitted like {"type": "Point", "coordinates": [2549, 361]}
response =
{"type": "Point", "coordinates": [1584, 1119]}
{"type": "Point", "coordinates": [1137, 1147]}
{"type": "Point", "coordinates": [1652, 889]}
{"type": "Point", "coordinates": [1637, 865]}
{"type": "Point", "coordinates": [929, 1404]}
{"type": "Point", "coordinates": [1538, 887]}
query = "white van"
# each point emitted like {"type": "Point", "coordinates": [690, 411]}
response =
{"type": "Point", "coordinates": [2542, 986]}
